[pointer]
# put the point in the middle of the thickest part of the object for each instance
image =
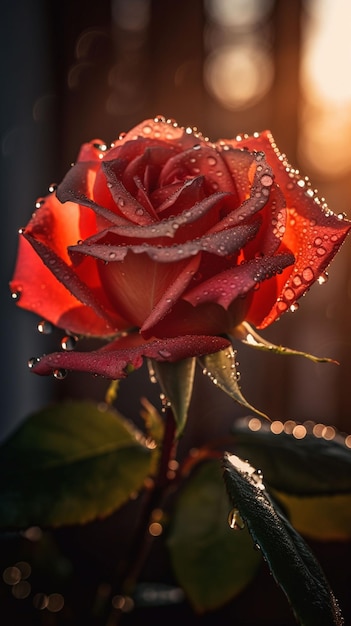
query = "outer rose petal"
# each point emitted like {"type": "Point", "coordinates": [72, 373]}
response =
{"type": "Point", "coordinates": [50, 231]}
{"type": "Point", "coordinates": [312, 233]}
{"type": "Point", "coordinates": [41, 293]}
{"type": "Point", "coordinates": [163, 131]}
{"type": "Point", "coordinates": [113, 360]}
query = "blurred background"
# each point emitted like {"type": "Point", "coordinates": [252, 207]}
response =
{"type": "Point", "coordinates": [74, 71]}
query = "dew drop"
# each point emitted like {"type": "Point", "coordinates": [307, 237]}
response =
{"type": "Point", "coordinates": [52, 187]}
{"type": "Point", "coordinates": [59, 374]}
{"type": "Point", "coordinates": [147, 129]}
{"type": "Point", "coordinates": [139, 211]}
{"type": "Point", "coordinates": [308, 274]}
{"type": "Point", "coordinates": [32, 362]}
{"type": "Point", "coordinates": [69, 343]}
{"type": "Point", "coordinates": [297, 281]}
{"type": "Point", "coordinates": [211, 160]}
{"type": "Point", "coordinates": [322, 279]}
{"type": "Point", "coordinates": [160, 118]}
{"type": "Point", "coordinates": [321, 251]}
{"type": "Point", "coordinates": [235, 520]}
{"type": "Point", "coordinates": [166, 354]}
{"type": "Point", "coordinates": [294, 307]}
{"type": "Point", "coordinates": [15, 295]}
{"type": "Point", "coordinates": [266, 180]}
{"type": "Point", "coordinates": [289, 294]}
{"type": "Point", "coordinates": [121, 201]}
{"type": "Point", "coordinates": [112, 255]}
{"type": "Point", "coordinates": [290, 186]}
{"type": "Point", "coordinates": [44, 327]}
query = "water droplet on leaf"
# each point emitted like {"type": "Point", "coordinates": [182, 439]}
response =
{"type": "Point", "coordinates": [235, 520]}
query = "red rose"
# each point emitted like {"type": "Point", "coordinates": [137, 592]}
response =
{"type": "Point", "coordinates": [175, 240]}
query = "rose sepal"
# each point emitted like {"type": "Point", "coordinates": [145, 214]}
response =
{"type": "Point", "coordinates": [247, 335]}
{"type": "Point", "coordinates": [176, 381]}
{"type": "Point", "coordinates": [220, 367]}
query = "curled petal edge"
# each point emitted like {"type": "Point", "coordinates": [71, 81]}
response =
{"type": "Point", "coordinates": [113, 361]}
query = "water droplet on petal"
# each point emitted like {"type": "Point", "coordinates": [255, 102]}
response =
{"type": "Point", "coordinates": [235, 520]}
{"type": "Point", "coordinates": [32, 362]}
{"type": "Point", "coordinates": [294, 307]}
{"type": "Point", "coordinates": [211, 160]}
{"type": "Point", "coordinates": [308, 274]}
{"type": "Point", "coordinates": [289, 294]}
{"type": "Point", "coordinates": [266, 180]}
{"type": "Point", "coordinates": [322, 279]}
{"type": "Point", "coordinates": [44, 327]}
{"type": "Point", "coordinates": [60, 374]}
{"type": "Point", "coordinates": [69, 343]}
{"type": "Point", "coordinates": [166, 354]}
{"type": "Point", "coordinates": [15, 295]}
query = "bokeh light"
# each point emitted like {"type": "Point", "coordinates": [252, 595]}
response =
{"type": "Point", "coordinates": [325, 116]}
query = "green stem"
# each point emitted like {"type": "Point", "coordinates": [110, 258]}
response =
{"type": "Point", "coordinates": [142, 542]}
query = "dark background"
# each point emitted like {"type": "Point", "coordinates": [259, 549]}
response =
{"type": "Point", "coordinates": [73, 71]}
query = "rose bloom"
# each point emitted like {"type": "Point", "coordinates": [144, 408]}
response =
{"type": "Point", "coordinates": [165, 242]}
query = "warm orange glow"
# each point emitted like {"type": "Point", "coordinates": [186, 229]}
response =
{"type": "Point", "coordinates": [254, 424]}
{"type": "Point", "coordinates": [277, 427]}
{"type": "Point", "coordinates": [326, 113]}
{"type": "Point", "coordinates": [299, 432]}
{"type": "Point", "coordinates": [238, 75]}
{"type": "Point", "coordinates": [155, 529]}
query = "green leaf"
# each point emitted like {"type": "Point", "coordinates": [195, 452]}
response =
{"type": "Point", "coordinates": [289, 558]}
{"type": "Point", "coordinates": [221, 369]}
{"type": "Point", "coordinates": [211, 562]}
{"type": "Point", "coordinates": [309, 466]}
{"type": "Point", "coordinates": [245, 333]}
{"type": "Point", "coordinates": [69, 464]}
{"type": "Point", "coordinates": [176, 381]}
{"type": "Point", "coordinates": [323, 518]}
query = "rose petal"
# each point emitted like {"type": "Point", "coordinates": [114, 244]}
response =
{"type": "Point", "coordinates": [113, 362]}
{"type": "Point", "coordinates": [124, 200]}
{"type": "Point", "coordinates": [77, 186]}
{"type": "Point", "coordinates": [225, 287]}
{"type": "Point", "coordinates": [258, 191]}
{"type": "Point", "coordinates": [147, 167]}
{"type": "Point", "coordinates": [170, 228]}
{"type": "Point", "coordinates": [313, 233]}
{"type": "Point", "coordinates": [202, 160]}
{"type": "Point", "coordinates": [222, 244]}
{"type": "Point", "coordinates": [166, 131]}
{"type": "Point", "coordinates": [172, 294]}
{"type": "Point", "coordinates": [65, 275]}
{"type": "Point", "coordinates": [39, 291]}
{"type": "Point", "coordinates": [92, 151]}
